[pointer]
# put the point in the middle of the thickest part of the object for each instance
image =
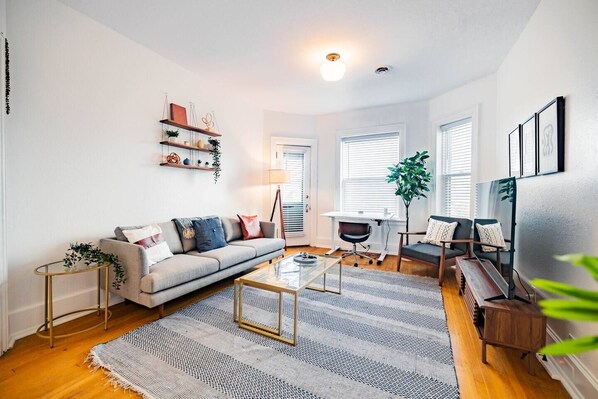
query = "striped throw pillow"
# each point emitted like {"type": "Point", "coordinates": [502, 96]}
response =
{"type": "Point", "coordinates": [439, 231]}
{"type": "Point", "coordinates": [150, 237]}
{"type": "Point", "coordinates": [490, 234]}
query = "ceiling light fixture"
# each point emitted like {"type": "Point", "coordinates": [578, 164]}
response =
{"type": "Point", "coordinates": [332, 69]}
{"type": "Point", "coordinates": [381, 70]}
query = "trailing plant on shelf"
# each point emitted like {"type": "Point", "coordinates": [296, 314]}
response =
{"type": "Point", "coordinates": [90, 254]}
{"type": "Point", "coordinates": [579, 305]}
{"type": "Point", "coordinates": [215, 151]}
{"type": "Point", "coordinates": [412, 178]}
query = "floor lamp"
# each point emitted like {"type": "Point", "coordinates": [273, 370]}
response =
{"type": "Point", "coordinates": [278, 177]}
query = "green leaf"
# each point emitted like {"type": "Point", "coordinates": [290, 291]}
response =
{"type": "Point", "coordinates": [590, 263]}
{"type": "Point", "coordinates": [565, 289]}
{"type": "Point", "coordinates": [571, 346]}
{"type": "Point", "coordinates": [570, 310]}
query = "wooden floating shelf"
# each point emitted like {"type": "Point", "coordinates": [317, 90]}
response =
{"type": "Point", "coordinates": [182, 166]}
{"type": "Point", "coordinates": [191, 128]}
{"type": "Point", "coordinates": [187, 147]}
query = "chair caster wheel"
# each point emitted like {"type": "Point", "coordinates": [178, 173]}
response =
{"type": "Point", "coordinates": [361, 257]}
{"type": "Point", "coordinates": [355, 264]}
{"type": "Point", "coordinates": [378, 263]}
{"type": "Point", "coordinates": [371, 261]}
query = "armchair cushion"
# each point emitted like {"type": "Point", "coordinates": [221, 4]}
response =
{"type": "Point", "coordinates": [429, 253]}
{"type": "Point", "coordinates": [439, 231]}
{"type": "Point", "coordinates": [491, 234]}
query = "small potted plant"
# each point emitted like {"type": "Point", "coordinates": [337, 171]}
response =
{"type": "Point", "coordinates": [172, 135]}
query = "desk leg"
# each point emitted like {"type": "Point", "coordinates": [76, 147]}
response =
{"type": "Point", "coordinates": [50, 311]}
{"type": "Point", "coordinates": [333, 246]}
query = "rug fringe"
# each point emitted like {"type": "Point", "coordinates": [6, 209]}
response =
{"type": "Point", "coordinates": [116, 380]}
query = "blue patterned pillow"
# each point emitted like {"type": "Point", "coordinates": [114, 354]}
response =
{"type": "Point", "coordinates": [209, 234]}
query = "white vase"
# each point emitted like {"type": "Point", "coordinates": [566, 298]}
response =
{"type": "Point", "coordinates": [172, 139]}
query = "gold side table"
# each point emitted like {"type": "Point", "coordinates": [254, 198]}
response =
{"type": "Point", "coordinates": [54, 269]}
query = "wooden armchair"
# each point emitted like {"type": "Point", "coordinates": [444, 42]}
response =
{"type": "Point", "coordinates": [438, 255]}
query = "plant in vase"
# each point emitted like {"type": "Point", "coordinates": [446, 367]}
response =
{"type": "Point", "coordinates": [412, 178]}
{"type": "Point", "coordinates": [89, 254]}
{"type": "Point", "coordinates": [215, 151]}
{"type": "Point", "coordinates": [172, 135]}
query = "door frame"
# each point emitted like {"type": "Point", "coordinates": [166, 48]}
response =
{"type": "Point", "coordinates": [313, 188]}
{"type": "Point", "coordinates": [5, 342]}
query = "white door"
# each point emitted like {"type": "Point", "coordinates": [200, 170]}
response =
{"type": "Point", "coordinates": [296, 193]}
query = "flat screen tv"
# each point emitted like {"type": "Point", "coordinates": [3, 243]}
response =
{"type": "Point", "coordinates": [496, 202]}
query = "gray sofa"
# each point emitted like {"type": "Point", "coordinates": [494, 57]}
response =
{"type": "Point", "coordinates": [188, 270]}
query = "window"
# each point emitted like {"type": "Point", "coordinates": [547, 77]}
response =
{"type": "Point", "coordinates": [364, 167]}
{"type": "Point", "coordinates": [455, 168]}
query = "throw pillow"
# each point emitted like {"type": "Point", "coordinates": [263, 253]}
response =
{"type": "Point", "coordinates": [150, 237]}
{"type": "Point", "coordinates": [490, 234]}
{"type": "Point", "coordinates": [251, 227]}
{"type": "Point", "coordinates": [439, 231]}
{"type": "Point", "coordinates": [186, 232]}
{"type": "Point", "coordinates": [209, 234]}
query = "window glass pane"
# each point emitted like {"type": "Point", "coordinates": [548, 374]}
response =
{"type": "Point", "coordinates": [455, 170]}
{"type": "Point", "coordinates": [292, 192]}
{"type": "Point", "coordinates": [364, 167]}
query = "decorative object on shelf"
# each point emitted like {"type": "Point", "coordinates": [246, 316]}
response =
{"type": "Point", "coordinates": [332, 69]}
{"type": "Point", "coordinates": [90, 254]}
{"type": "Point", "coordinates": [515, 152]}
{"type": "Point", "coordinates": [215, 151]}
{"type": "Point", "coordinates": [412, 178]}
{"type": "Point", "coordinates": [178, 114]}
{"type": "Point", "coordinates": [278, 177]}
{"type": "Point", "coordinates": [186, 142]}
{"type": "Point", "coordinates": [201, 144]}
{"type": "Point", "coordinates": [551, 137]}
{"type": "Point", "coordinates": [186, 161]}
{"type": "Point", "coordinates": [208, 120]}
{"type": "Point", "coordinates": [172, 135]}
{"type": "Point", "coordinates": [199, 162]}
{"type": "Point", "coordinates": [7, 76]}
{"type": "Point", "coordinates": [207, 164]}
{"type": "Point", "coordinates": [528, 147]}
{"type": "Point", "coordinates": [580, 305]}
{"type": "Point", "coordinates": [173, 157]}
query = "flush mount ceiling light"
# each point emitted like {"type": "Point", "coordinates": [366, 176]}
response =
{"type": "Point", "coordinates": [332, 69]}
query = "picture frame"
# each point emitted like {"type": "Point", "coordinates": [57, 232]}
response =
{"type": "Point", "coordinates": [515, 152]}
{"type": "Point", "coordinates": [528, 147]}
{"type": "Point", "coordinates": [551, 137]}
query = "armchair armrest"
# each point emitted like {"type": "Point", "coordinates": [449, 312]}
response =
{"type": "Point", "coordinates": [134, 260]}
{"type": "Point", "coordinates": [268, 228]}
{"type": "Point", "coordinates": [409, 233]}
{"type": "Point", "coordinates": [460, 241]}
{"type": "Point", "coordinates": [488, 245]}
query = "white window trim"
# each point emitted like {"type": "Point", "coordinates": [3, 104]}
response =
{"type": "Point", "coordinates": [365, 131]}
{"type": "Point", "coordinates": [473, 113]}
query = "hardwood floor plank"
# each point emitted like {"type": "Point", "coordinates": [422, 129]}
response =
{"type": "Point", "coordinates": [33, 370]}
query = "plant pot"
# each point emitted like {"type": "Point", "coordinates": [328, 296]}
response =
{"type": "Point", "coordinates": [172, 139]}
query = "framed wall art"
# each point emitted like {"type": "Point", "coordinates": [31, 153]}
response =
{"type": "Point", "coordinates": [551, 137]}
{"type": "Point", "coordinates": [528, 147]}
{"type": "Point", "coordinates": [515, 152]}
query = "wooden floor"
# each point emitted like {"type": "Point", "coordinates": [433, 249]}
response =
{"type": "Point", "coordinates": [32, 370]}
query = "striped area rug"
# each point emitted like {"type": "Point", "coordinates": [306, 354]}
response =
{"type": "Point", "coordinates": [385, 337]}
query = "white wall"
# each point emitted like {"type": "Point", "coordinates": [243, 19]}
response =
{"type": "Point", "coordinates": [82, 147]}
{"type": "Point", "coordinates": [557, 54]}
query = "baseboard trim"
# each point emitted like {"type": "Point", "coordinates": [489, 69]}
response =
{"type": "Point", "coordinates": [26, 320]}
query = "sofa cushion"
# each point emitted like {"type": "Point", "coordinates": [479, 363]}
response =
{"type": "Point", "coordinates": [262, 246]}
{"type": "Point", "coordinates": [228, 256]}
{"type": "Point", "coordinates": [429, 252]}
{"type": "Point", "coordinates": [251, 227]}
{"type": "Point", "coordinates": [232, 228]}
{"type": "Point", "coordinates": [209, 234]}
{"type": "Point", "coordinates": [177, 270]}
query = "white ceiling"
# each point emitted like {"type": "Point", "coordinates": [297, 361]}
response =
{"type": "Point", "coordinates": [270, 51]}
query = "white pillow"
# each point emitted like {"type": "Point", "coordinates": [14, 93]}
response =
{"type": "Point", "coordinates": [150, 237]}
{"type": "Point", "coordinates": [439, 231]}
{"type": "Point", "coordinates": [490, 234]}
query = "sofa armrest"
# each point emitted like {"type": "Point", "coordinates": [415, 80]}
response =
{"type": "Point", "coordinates": [134, 261]}
{"type": "Point", "coordinates": [268, 228]}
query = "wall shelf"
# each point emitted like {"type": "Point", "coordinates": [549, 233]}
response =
{"type": "Point", "coordinates": [182, 166]}
{"type": "Point", "coordinates": [185, 146]}
{"type": "Point", "coordinates": [190, 128]}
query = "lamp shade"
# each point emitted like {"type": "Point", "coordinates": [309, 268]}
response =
{"type": "Point", "coordinates": [332, 69]}
{"type": "Point", "coordinates": [279, 176]}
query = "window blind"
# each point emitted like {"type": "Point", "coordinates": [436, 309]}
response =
{"type": "Point", "coordinates": [456, 168]}
{"type": "Point", "coordinates": [293, 192]}
{"type": "Point", "coordinates": [364, 167]}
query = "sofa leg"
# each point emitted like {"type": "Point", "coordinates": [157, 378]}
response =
{"type": "Point", "coordinates": [127, 301]}
{"type": "Point", "coordinates": [161, 311]}
{"type": "Point", "coordinates": [270, 261]}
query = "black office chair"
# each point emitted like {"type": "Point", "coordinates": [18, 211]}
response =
{"type": "Point", "coordinates": [355, 233]}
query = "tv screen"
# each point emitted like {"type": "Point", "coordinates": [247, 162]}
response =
{"type": "Point", "coordinates": [496, 202]}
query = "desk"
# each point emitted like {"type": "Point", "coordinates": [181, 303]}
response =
{"type": "Point", "coordinates": [359, 217]}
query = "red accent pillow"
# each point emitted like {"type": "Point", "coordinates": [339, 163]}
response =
{"type": "Point", "coordinates": [251, 227]}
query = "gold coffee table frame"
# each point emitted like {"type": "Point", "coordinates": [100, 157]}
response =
{"type": "Point", "coordinates": [270, 278]}
{"type": "Point", "coordinates": [54, 269]}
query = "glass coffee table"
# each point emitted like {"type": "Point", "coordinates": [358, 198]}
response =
{"type": "Point", "coordinates": [284, 276]}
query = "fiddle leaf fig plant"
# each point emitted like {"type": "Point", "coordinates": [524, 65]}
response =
{"type": "Point", "coordinates": [90, 254]}
{"type": "Point", "coordinates": [412, 178]}
{"type": "Point", "coordinates": [578, 304]}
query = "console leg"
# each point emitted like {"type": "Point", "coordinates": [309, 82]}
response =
{"type": "Point", "coordinates": [530, 363]}
{"type": "Point", "coordinates": [484, 352]}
